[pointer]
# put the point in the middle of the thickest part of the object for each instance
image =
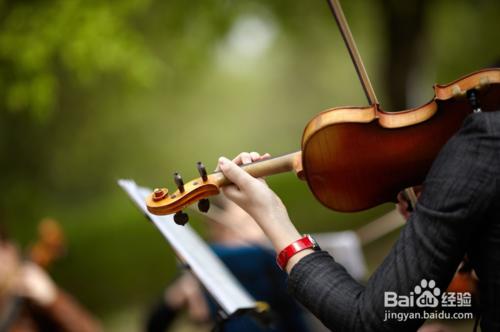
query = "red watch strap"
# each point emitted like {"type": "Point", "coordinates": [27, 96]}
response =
{"type": "Point", "coordinates": [305, 242]}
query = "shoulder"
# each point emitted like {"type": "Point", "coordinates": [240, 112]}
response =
{"type": "Point", "coordinates": [492, 120]}
{"type": "Point", "coordinates": [484, 122]}
{"type": "Point", "coordinates": [478, 139]}
{"type": "Point", "coordinates": [467, 166]}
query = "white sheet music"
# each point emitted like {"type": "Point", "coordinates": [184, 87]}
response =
{"type": "Point", "coordinates": [207, 267]}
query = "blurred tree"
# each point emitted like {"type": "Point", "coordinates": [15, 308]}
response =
{"type": "Point", "coordinates": [41, 40]}
{"type": "Point", "coordinates": [95, 89]}
{"type": "Point", "coordinates": [403, 22]}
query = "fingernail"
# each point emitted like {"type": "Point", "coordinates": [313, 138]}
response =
{"type": "Point", "coordinates": [222, 162]}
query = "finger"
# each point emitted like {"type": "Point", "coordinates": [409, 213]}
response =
{"type": "Point", "coordinates": [235, 174]}
{"type": "Point", "coordinates": [242, 158]}
{"type": "Point", "coordinates": [403, 210]}
{"type": "Point", "coordinates": [197, 306]}
{"type": "Point", "coordinates": [238, 160]}
{"type": "Point", "coordinates": [418, 190]}
{"type": "Point", "coordinates": [255, 156]}
{"type": "Point", "coordinates": [259, 158]}
{"type": "Point", "coordinates": [403, 205]}
{"type": "Point", "coordinates": [246, 158]}
{"type": "Point", "coordinates": [400, 209]}
{"type": "Point", "coordinates": [401, 197]}
{"type": "Point", "coordinates": [265, 156]}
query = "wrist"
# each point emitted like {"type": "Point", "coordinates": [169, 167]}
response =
{"type": "Point", "coordinates": [294, 251]}
{"type": "Point", "coordinates": [296, 258]}
{"type": "Point", "coordinates": [284, 238]}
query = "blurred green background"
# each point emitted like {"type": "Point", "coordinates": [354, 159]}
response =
{"type": "Point", "coordinates": [94, 91]}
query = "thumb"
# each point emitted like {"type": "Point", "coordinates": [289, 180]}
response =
{"type": "Point", "coordinates": [235, 174]}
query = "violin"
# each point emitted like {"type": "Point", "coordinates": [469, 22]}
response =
{"type": "Point", "coordinates": [49, 246]}
{"type": "Point", "coordinates": [355, 158]}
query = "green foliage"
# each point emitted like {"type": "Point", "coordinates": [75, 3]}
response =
{"type": "Point", "coordinates": [92, 91]}
{"type": "Point", "coordinates": [43, 40]}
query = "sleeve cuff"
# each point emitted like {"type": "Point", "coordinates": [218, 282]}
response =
{"type": "Point", "coordinates": [307, 266]}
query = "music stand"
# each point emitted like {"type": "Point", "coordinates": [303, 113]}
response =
{"type": "Point", "coordinates": [231, 298]}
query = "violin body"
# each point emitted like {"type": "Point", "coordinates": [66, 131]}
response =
{"type": "Point", "coordinates": [357, 158]}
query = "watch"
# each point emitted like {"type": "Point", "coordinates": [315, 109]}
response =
{"type": "Point", "coordinates": [305, 242]}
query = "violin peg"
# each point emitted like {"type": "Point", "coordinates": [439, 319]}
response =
{"type": "Point", "coordinates": [159, 194]}
{"type": "Point", "coordinates": [179, 182]}
{"type": "Point", "coordinates": [181, 218]}
{"type": "Point", "coordinates": [202, 170]}
{"type": "Point", "coordinates": [204, 205]}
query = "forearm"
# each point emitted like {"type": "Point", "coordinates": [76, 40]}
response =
{"type": "Point", "coordinates": [327, 290]}
{"type": "Point", "coordinates": [282, 233]}
{"type": "Point", "coordinates": [425, 250]}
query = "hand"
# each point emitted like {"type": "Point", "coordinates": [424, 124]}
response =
{"type": "Point", "coordinates": [230, 224]}
{"type": "Point", "coordinates": [9, 268]}
{"type": "Point", "coordinates": [24, 279]}
{"type": "Point", "coordinates": [403, 204]}
{"type": "Point", "coordinates": [35, 284]}
{"type": "Point", "coordinates": [186, 292]}
{"type": "Point", "coordinates": [258, 200]}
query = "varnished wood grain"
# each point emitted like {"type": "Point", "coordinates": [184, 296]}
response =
{"type": "Point", "coordinates": [354, 166]}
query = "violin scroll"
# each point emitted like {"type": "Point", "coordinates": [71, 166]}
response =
{"type": "Point", "coordinates": [161, 202]}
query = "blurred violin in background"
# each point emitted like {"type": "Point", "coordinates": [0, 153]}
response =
{"type": "Point", "coordinates": [49, 246]}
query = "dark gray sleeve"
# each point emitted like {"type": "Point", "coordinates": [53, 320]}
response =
{"type": "Point", "coordinates": [457, 192]}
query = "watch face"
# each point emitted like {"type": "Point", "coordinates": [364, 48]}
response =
{"type": "Point", "coordinates": [315, 244]}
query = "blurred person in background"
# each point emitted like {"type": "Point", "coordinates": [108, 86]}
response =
{"type": "Point", "coordinates": [30, 301]}
{"type": "Point", "coordinates": [242, 246]}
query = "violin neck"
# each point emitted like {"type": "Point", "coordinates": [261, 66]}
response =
{"type": "Point", "coordinates": [282, 164]}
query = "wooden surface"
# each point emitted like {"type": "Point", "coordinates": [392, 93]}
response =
{"type": "Point", "coordinates": [352, 162]}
